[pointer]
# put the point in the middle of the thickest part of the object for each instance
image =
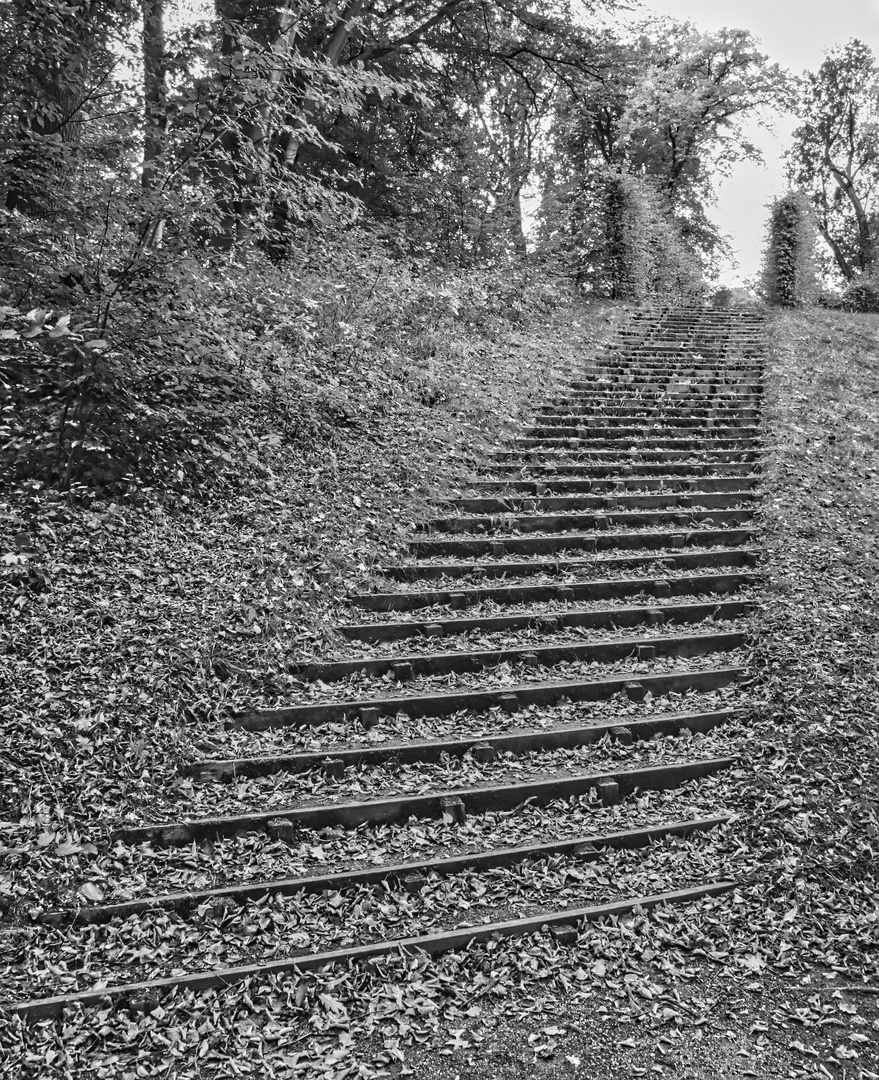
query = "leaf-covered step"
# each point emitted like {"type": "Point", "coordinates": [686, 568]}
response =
{"type": "Point", "coordinates": [510, 697]}
{"type": "Point", "coordinates": [513, 494]}
{"type": "Point", "coordinates": [475, 800]}
{"type": "Point", "coordinates": [549, 473]}
{"type": "Point", "coordinates": [634, 409]}
{"type": "Point", "coordinates": [708, 438]}
{"type": "Point", "coordinates": [632, 420]}
{"type": "Point", "coordinates": [153, 990]}
{"type": "Point", "coordinates": [662, 560]}
{"type": "Point", "coordinates": [625, 400]}
{"type": "Point", "coordinates": [565, 736]}
{"type": "Point", "coordinates": [680, 535]}
{"type": "Point", "coordinates": [627, 449]}
{"type": "Point", "coordinates": [684, 511]}
{"type": "Point", "coordinates": [704, 378]}
{"type": "Point", "coordinates": [719, 388]}
{"type": "Point", "coordinates": [557, 618]}
{"type": "Point", "coordinates": [616, 459]}
{"type": "Point", "coordinates": [535, 654]}
{"type": "Point", "coordinates": [587, 847]}
{"type": "Point", "coordinates": [693, 497]}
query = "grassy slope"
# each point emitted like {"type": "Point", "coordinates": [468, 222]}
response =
{"type": "Point", "coordinates": [729, 990]}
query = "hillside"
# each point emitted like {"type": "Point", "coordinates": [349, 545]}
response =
{"type": "Point", "coordinates": [754, 980]}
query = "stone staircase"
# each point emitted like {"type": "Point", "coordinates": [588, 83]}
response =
{"type": "Point", "coordinates": [540, 691]}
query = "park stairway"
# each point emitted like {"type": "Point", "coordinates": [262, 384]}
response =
{"type": "Point", "coordinates": [525, 728]}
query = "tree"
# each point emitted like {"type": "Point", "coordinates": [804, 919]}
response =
{"type": "Point", "coordinates": [668, 105]}
{"type": "Point", "coordinates": [834, 156]}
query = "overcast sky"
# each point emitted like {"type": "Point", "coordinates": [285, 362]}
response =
{"type": "Point", "coordinates": [795, 34]}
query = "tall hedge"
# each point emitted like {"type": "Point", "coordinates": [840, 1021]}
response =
{"type": "Point", "coordinates": [790, 276]}
{"type": "Point", "coordinates": [626, 244]}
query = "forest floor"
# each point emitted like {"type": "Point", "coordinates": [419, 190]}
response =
{"type": "Point", "coordinates": [136, 627]}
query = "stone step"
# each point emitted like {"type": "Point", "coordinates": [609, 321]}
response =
{"type": "Point", "coordinates": [383, 811]}
{"type": "Point", "coordinates": [681, 536]}
{"type": "Point", "coordinates": [513, 493]}
{"type": "Point", "coordinates": [405, 666]}
{"type": "Point", "coordinates": [661, 559]}
{"type": "Point", "coordinates": [509, 697]}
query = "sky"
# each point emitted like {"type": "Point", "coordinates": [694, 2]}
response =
{"type": "Point", "coordinates": [795, 34]}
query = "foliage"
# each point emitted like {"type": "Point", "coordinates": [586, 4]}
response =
{"type": "Point", "coordinates": [669, 105]}
{"type": "Point", "coordinates": [835, 154]}
{"type": "Point", "coordinates": [861, 295]}
{"type": "Point", "coordinates": [623, 242]}
{"type": "Point", "coordinates": [226, 354]}
{"type": "Point", "coordinates": [789, 273]}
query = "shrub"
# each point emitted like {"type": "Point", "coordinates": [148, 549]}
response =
{"type": "Point", "coordinates": [861, 295]}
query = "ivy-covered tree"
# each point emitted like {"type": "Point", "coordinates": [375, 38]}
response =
{"type": "Point", "coordinates": [834, 156]}
{"type": "Point", "coordinates": [789, 266]}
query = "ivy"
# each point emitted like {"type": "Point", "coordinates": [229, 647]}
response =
{"type": "Point", "coordinates": [789, 270]}
{"type": "Point", "coordinates": [628, 246]}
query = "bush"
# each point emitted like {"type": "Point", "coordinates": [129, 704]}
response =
{"type": "Point", "coordinates": [861, 295]}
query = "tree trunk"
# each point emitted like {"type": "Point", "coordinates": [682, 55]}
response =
{"type": "Point", "coordinates": [332, 53]}
{"type": "Point", "coordinates": [226, 167]}
{"type": "Point", "coordinates": [155, 118]}
{"type": "Point", "coordinates": [866, 247]}
{"type": "Point", "coordinates": [56, 80]}
{"type": "Point", "coordinates": [155, 91]}
{"type": "Point", "coordinates": [844, 266]}
{"type": "Point", "coordinates": [260, 130]}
